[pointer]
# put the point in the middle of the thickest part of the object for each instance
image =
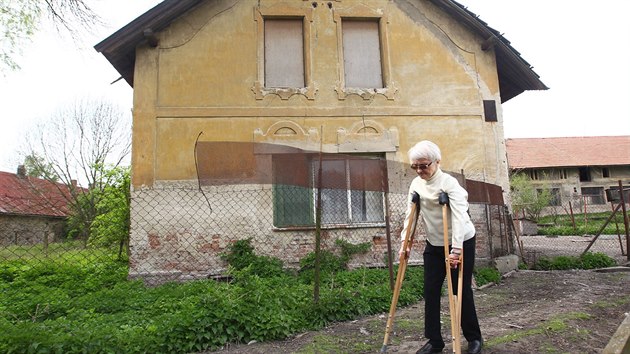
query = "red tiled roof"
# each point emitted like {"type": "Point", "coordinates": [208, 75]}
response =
{"type": "Point", "coordinates": [568, 152]}
{"type": "Point", "coordinates": [32, 196]}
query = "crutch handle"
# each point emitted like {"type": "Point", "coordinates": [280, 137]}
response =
{"type": "Point", "coordinates": [415, 198]}
{"type": "Point", "coordinates": [443, 198]}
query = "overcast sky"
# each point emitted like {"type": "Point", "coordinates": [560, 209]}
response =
{"type": "Point", "coordinates": [580, 49]}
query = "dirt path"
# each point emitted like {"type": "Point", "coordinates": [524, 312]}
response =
{"type": "Point", "coordinates": [528, 312]}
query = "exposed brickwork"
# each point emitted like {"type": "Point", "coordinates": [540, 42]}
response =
{"type": "Point", "coordinates": [176, 234]}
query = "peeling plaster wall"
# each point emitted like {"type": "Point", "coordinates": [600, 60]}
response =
{"type": "Point", "coordinates": [179, 233]}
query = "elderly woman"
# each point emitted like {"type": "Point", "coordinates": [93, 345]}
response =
{"type": "Point", "coordinates": [425, 159]}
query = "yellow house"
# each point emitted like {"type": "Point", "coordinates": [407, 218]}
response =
{"type": "Point", "coordinates": [234, 99]}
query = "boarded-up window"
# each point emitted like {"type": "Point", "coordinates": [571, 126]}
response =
{"type": "Point", "coordinates": [362, 54]}
{"type": "Point", "coordinates": [284, 53]}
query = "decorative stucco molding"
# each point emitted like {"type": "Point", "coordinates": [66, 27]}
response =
{"type": "Point", "coordinates": [367, 136]}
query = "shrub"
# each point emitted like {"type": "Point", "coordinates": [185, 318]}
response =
{"type": "Point", "coordinates": [596, 260]}
{"type": "Point", "coordinates": [486, 275]}
{"type": "Point", "coordinates": [240, 255]}
{"type": "Point", "coordinates": [329, 263]}
{"type": "Point", "coordinates": [92, 308]}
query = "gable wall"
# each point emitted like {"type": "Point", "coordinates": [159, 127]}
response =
{"type": "Point", "coordinates": [203, 73]}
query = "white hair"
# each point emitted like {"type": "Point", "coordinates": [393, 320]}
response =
{"type": "Point", "coordinates": [425, 150]}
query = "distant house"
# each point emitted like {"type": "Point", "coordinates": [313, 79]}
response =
{"type": "Point", "coordinates": [228, 92]}
{"type": "Point", "coordinates": [574, 167]}
{"type": "Point", "coordinates": [32, 210]}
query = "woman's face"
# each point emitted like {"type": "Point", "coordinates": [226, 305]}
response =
{"type": "Point", "coordinates": [425, 168]}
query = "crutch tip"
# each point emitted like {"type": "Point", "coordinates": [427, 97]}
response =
{"type": "Point", "coordinates": [384, 349]}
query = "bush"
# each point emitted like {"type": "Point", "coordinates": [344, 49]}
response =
{"type": "Point", "coordinates": [240, 255]}
{"type": "Point", "coordinates": [329, 264]}
{"type": "Point", "coordinates": [596, 260]}
{"type": "Point", "coordinates": [486, 275]}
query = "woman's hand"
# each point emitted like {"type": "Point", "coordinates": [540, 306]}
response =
{"type": "Point", "coordinates": [454, 258]}
{"type": "Point", "coordinates": [401, 252]}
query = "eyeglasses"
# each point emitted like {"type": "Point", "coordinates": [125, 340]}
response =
{"type": "Point", "coordinates": [422, 166]}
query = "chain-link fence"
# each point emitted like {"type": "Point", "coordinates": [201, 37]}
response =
{"type": "Point", "coordinates": [576, 225]}
{"type": "Point", "coordinates": [180, 230]}
{"type": "Point", "coordinates": [180, 233]}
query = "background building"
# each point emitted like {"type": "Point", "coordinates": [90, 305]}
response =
{"type": "Point", "coordinates": [575, 168]}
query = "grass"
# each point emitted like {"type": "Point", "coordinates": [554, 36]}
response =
{"type": "Point", "coordinates": [60, 252]}
{"type": "Point", "coordinates": [548, 328]}
{"type": "Point", "coordinates": [563, 224]}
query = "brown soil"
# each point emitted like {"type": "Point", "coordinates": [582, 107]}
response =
{"type": "Point", "coordinates": [527, 312]}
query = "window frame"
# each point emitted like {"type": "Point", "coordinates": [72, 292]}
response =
{"type": "Point", "coordinates": [364, 13]}
{"type": "Point", "coordinates": [284, 12]}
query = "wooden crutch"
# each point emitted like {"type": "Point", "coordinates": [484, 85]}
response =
{"type": "Point", "coordinates": [415, 210]}
{"type": "Point", "coordinates": [454, 301]}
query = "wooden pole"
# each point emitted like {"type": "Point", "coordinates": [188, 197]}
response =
{"type": "Point", "coordinates": [318, 225]}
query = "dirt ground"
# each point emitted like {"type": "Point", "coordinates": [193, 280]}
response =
{"type": "Point", "coordinates": [527, 312]}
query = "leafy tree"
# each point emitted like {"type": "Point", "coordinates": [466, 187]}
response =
{"type": "Point", "coordinates": [111, 223]}
{"type": "Point", "coordinates": [20, 19]}
{"type": "Point", "coordinates": [36, 166]}
{"type": "Point", "coordinates": [526, 198]}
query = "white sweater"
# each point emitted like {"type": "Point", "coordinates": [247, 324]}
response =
{"type": "Point", "coordinates": [460, 227]}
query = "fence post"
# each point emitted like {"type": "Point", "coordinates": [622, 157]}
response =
{"type": "Point", "coordinates": [572, 217]}
{"type": "Point", "coordinates": [612, 206]}
{"type": "Point", "coordinates": [625, 219]}
{"type": "Point", "coordinates": [318, 225]}
{"type": "Point", "coordinates": [585, 215]}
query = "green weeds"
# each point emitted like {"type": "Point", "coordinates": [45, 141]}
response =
{"type": "Point", "coordinates": [588, 260]}
{"type": "Point", "coordinates": [46, 307]}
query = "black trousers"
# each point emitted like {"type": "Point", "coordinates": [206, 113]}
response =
{"type": "Point", "coordinates": [434, 275]}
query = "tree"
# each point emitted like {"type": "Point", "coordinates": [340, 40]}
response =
{"type": "Point", "coordinates": [79, 145]}
{"type": "Point", "coordinates": [20, 19]}
{"type": "Point", "coordinates": [526, 198]}
{"type": "Point", "coordinates": [36, 167]}
{"type": "Point", "coordinates": [111, 223]}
